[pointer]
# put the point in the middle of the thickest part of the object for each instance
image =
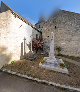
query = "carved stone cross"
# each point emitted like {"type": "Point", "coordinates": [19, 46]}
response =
{"type": "Point", "coordinates": [24, 45]}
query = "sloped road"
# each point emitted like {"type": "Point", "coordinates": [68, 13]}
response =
{"type": "Point", "coordinates": [12, 83]}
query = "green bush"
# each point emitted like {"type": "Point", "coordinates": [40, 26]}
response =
{"type": "Point", "coordinates": [13, 62]}
{"type": "Point", "coordinates": [58, 49]}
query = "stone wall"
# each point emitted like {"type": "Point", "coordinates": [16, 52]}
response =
{"type": "Point", "coordinates": [12, 32]}
{"type": "Point", "coordinates": [66, 27]}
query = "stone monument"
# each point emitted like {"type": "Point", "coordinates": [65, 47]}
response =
{"type": "Point", "coordinates": [53, 63]}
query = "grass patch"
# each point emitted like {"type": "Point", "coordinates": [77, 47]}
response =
{"type": "Point", "coordinates": [70, 57]}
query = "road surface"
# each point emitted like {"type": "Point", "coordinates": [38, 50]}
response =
{"type": "Point", "coordinates": [13, 83]}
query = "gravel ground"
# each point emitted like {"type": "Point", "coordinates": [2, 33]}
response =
{"type": "Point", "coordinates": [31, 68]}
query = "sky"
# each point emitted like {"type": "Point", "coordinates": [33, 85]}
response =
{"type": "Point", "coordinates": [33, 9]}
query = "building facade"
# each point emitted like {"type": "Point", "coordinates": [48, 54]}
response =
{"type": "Point", "coordinates": [66, 28]}
{"type": "Point", "coordinates": [13, 30]}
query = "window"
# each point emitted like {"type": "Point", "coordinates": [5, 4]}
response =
{"type": "Point", "coordinates": [36, 36]}
{"type": "Point", "coordinates": [55, 27]}
{"type": "Point", "coordinates": [39, 26]}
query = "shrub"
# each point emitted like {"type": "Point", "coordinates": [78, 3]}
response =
{"type": "Point", "coordinates": [58, 50]}
{"type": "Point", "coordinates": [62, 65]}
{"type": "Point", "coordinates": [13, 62]}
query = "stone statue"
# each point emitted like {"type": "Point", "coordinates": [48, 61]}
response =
{"type": "Point", "coordinates": [51, 62]}
{"type": "Point", "coordinates": [51, 53]}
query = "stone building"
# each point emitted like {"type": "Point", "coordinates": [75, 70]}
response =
{"type": "Point", "coordinates": [66, 27]}
{"type": "Point", "coordinates": [13, 30]}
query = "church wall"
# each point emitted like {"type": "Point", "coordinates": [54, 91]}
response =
{"type": "Point", "coordinates": [66, 27]}
{"type": "Point", "coordinates": [34, 32]}
{"type": "Point", "coordinates": [12, 32]}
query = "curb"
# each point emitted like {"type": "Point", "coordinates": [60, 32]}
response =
{"type": "Point", "coordinates": [42, 81]}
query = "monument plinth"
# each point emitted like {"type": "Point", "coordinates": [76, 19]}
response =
{"type": "Point", "coordinates": [53, 63]}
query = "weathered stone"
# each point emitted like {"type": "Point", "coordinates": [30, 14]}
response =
{"type": "Point", "coordinates": [66, 28]}
{"type": "Point", "coordinates": [53, 63]}
{"type": "Point", "coordinates": [30, 56]}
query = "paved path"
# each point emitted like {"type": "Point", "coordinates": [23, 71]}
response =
{"type": "Point", "coordinates": [12, 83]}
{"type": "Point", "coordinates": [70, 60]}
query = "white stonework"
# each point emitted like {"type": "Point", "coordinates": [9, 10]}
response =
{"type": "Point", "coordinates": [12, 32]}
{"type": "Point", "coordinates": [51, 62]}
